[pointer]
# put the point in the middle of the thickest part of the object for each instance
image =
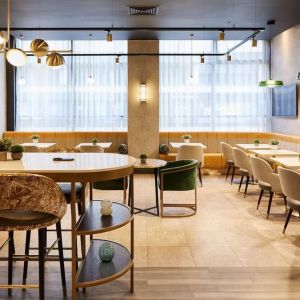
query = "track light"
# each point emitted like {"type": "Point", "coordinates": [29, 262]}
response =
{"type": "Point", "coordinates": [228, 57]}
{"type": "Point", "coordinates": [254, 42]}
{"type": "Point", "coordinates": [221, 35]}
{"type": "Point", "coordinates": [109, 36]}
{"type": "Point", "coordinates": [117, 59]}
{"type": "Point", "coordinates": [202, 60]}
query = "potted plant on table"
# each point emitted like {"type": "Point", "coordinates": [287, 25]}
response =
{"type": "Point", "coordinates": [94, 142]}
{"type": "Point", "coordinates": [186, 137]}
{"type": "Point", "coordinates": [275, 144]}
{"type": "Point", "coordinates": [5, 145]}
{"type": "Point", "coordinates": [16, 152]}
{"type": "Point", "coordinates": [35, 138]}
{"type": "Point", "coordinates": [143, 158]}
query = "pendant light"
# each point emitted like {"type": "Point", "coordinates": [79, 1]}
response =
{"type": "Point", "coordinates": [202, 59]}
{"type": "Point", "coordinates": [270, 82]}
{"type": "Point", "coordinates": [22, 80]}
{"type": "Point", "coordinates": [221, 35]}
{"type": "Point", "coordinates": [191, 79]}
{"type": "Point", "coordinates": [55, 60]}
{"type": "Point", "coordinates": [90, 79]}
{"type": "Point", "coordinates": [117, 59]}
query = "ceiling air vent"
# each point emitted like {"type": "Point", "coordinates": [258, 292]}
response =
{"type": "Point", "coordinates": [143, 11]}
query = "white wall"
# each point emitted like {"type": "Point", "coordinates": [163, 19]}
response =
{"type": "Point", "coordinates": [2, 94]}
{"type": "Point", "coordinates": [285, 66]}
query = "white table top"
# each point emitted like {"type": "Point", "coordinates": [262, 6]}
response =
{"type": "Point", "coordinates": [178, 145]}
{"type": "Point", "coordinates": [290, 162]}
{"type": "Point", "coordinates": [83, 162]}
{"type": "Point", "coordinates": [40, 145]}
{"type": "Point", "coordinates": [103, 145]}
{"type": "Point", "coordinates": [274, 153]}
{"type": "Point", "coordinates": [254, 147]}
{"type": "Point", "coordinates": [150, 164]}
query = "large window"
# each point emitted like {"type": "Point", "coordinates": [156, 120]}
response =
{"type": "Point", "coordinates": [220, 95]}
{"type": "Point", "coordinates": [63, 99]}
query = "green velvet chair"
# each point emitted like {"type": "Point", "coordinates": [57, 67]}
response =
{"type": "Point", "coordinates": [178, 175]}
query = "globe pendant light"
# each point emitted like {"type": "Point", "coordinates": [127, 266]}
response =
{"type": "Point", "coordinates": [270, 83]}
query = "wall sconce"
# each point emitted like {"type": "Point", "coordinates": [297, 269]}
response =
{"type": "Point", "coordinates": [143, 92]}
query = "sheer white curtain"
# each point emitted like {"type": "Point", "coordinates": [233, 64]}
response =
{"type": "Point", "coordinates": [220, 95]}
{"type": "Point", "coordinates": [63, 99]}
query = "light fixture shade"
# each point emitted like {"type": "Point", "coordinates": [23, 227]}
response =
{"type": "Point", "coordinates": [117, 60]}
{"type": "Point", "coordinates": [55, 60]}
{"type": "Point", "coordinates": [228, 57]}
{"type": "Point", "coordinates": [109, 37]}
{"type": "Point", "coordinates": [202, 60]}
{"type": "Point", "coordinates": [270, 83]}
{"type": "Point", "coordinates": [16, 57]}
{"type": "Point", "coordinates": [21, 81]}
{"type": "Point", "coordinates": [254, 42]}
{"type": "Point", "coordinates": [221, 35]}
{"type": "Point", "coordinates": [39, 48]}
{"type": "Point", "coordinates": [3, 39]}
{"type": "Point", "coordinates": [143, 92]}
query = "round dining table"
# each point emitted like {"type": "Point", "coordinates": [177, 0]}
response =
{"type": "Point", "coordinates": [74, 168]}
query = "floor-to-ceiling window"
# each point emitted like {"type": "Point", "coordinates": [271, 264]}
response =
{"type": "Point", "coordinates": [217, 95]}
{"type": "Point", "coordinates": [65, 99]}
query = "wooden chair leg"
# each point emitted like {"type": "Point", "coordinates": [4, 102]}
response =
{"type": "Point", "coordinates": [200, 175]}
{"type": "Point", "coordinates": [270, 203]}
{"type": "Point", "coordinates": [287, 220]}
{"type": "Point", "coordinates": [246, 187]}
{"type": "Point", "coordinates": [42, 244]}
{"type": "Point", "coordinates": [259, 198]}
{"type": "Point", "coordinates": [10, 259]}
{"type": "Point", "coordinates": [228, 171]}
{"type": "Point", "coordinates": [241, 182]}
{"type": "Point", "coordinates": [27, 245]}
{"type": "Point", "coordinates": [232, 175]}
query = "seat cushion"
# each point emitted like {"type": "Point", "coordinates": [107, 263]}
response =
{"type": "Point", "coordinates": [294, 204]}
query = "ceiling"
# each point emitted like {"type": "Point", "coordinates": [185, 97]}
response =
{"type": "Point", "coordinates": [172, 13]}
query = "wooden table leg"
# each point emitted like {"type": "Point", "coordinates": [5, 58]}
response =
{"type": "Point", "coordinates": [73, 233]}
{"type": "Point", "coordinates": [131, 187]}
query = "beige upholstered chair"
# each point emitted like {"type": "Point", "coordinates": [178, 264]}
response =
{"type": "Point", "coordinates": [31, 149]}
{"type": "Point", "coordinates": [267, 180]}
{"type": "Point", "coordinates": [229, 158]}
{"type": "Point", "coordinates": [242, 161]}
{"type": "Point", "coordinates": [91, 149]}
{"type": "Point", "coordinates": [30, 202]}
{"type": "Point", "coordinates": [186, 152]}
{"type": "Point", "coordinates": [290, 182]}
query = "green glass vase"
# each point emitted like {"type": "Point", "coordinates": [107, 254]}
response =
{"type": "Point", "coordinates": [106, 252]}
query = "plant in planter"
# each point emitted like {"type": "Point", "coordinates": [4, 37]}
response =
{"type": "Point", "coordinates": [94, 142]}
{"type": "Point", "coordinates": [16, 152]}
{"type": "Point", "coordinates": [274, 144]}
{"type": "Point", "coordinates": [5, 144]}
{"type": "Point", "coordinates": [35, 138]}
{"type": "Point", "coordinates": [186, 137]}
{"type": "Point", "coordinates": [143, 158]}
{"type": "Point", "coordinates": [256, 142]}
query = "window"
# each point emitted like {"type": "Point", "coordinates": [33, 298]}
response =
{"type": "Point", "coordinates": [58, 100]}
{"type": "Point", "coordinates": [217, 95]}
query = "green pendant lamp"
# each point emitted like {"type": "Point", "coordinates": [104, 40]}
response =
{"type": "Point", "coordinates": [271, 82]}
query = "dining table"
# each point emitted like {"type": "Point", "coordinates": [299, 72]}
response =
{"type": "Point", "coordinates": [289, 162]}
{"type": "Point", "coordinates": [249, 147]}
{"type": "Point", "coordinates": [105, 145]}
{"type": "Point", "coordinates": [178, 145]}
{"type": "Point", "coordinates": [80, 168]}
{"type": "Point", "coordinates": [266, 153]}
{"type": "Point", "coordinates": [43, 147]}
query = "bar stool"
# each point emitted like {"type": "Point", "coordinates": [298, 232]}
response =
{"type": "Point", "coordinates": [29, 202]}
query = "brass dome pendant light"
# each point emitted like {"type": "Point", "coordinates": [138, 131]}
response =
{"type": "Point", "coordinates": [39, 48]}
{"type": "Point", "coordinates": [55, 60]}
{"type": "Point", "coordinates": [270, 83]}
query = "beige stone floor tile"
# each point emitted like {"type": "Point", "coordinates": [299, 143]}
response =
{"type": "Point", "coordinates": [166, 237]}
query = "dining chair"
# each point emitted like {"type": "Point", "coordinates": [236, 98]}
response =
{"type": "Point", "coordinates": [32, 148]}
{"type": "Point", "coordinates": [91, 149]}
{"type": "Point", "coordinates": [187, 152]}
{"type": "Point", "coordinates": [227, 151]}
{"type": "Point", "coordinates": [31, 202]}
{"type": "Point", "coordinates": [178, 175]}
{"type": "Point", "coordinates": [267, 180]}
{"type": "Point", "coordinates": [242, 161]}
{"type": "Point", "coordinates": [290, 182]}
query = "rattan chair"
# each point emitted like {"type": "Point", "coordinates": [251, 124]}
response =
{"type": "Point", "coordinates": [29, 202]}
{"type": "Point", "coordinates": [179, 175]}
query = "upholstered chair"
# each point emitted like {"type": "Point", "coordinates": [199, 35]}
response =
{"type": "Point", "coordinates": [267, 180]}
{"type": "Point", "coordinates": [242, 161]}
{"type": "Point", "coordinates": [32, 148]}
{"type": "Point", "coordinates": [192, 152]}
{"type": "Point", "coordinates": [290, 183]}
{"type": "Point", "coordinates": [227, 152]}
{"type": "Point", "coordinates": [178, 175]}
{"type": "Point", "coordinates": [29, 202]}
{"type": "Point", "coordinates": [91, 149]}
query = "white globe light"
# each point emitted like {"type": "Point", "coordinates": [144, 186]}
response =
{"type": "Point", "coordinates": [90, 80]}
{"type": "Point", "coordinates": [21, 81]}
{"type": "Point", "coordinates": [16, 57]}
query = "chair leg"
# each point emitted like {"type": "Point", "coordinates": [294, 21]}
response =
{"type": "Point", "coordinates": [287, 220]}
{"type": "Point", "coordinates": [246, 188]}
{"type": "Point", "coordinates": [27, 245]}
{"type": "Point", "coordinates": [241, 182]}
{"type": "Point", "coordinates": [259, 198]}
{"type": "Point", "coordinates": [42, 244]}
{"type": "Point", "coordinates": [200, 175]}
{"type": "Point", "coordinates": [285, 202]}
{"type": "Point", "coordinates": [232, 175]}
{"type": "Point", "coordinates": [161, 204]}
{"type": "Point", "coordinates": [228, 171]}
{"type": "Point", "coordinates": [10, 259]}
{"type": "Point", "coordinates": [270, 203]}
{"type": "Point", "coordinates": [61, 258]}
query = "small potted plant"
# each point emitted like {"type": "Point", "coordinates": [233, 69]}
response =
{"type": "Point", "coordinates": [186, 137]}
{"type": "Point", "coordinates": [5, 145]}
{"type": "Point", "coordinates": [275, 144]}
{"type": "Point", "coordinates": [35, 138]}
{"type": "Point", "coordinates": [143, 158]}
{"type": "Point", "coordinates": [256, 143]}
{"type": "Point", "coordinates": [16, 152]}
{"type": "Point", "coordinates": [94, 142]}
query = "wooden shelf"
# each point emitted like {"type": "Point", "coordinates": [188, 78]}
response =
{"type": "Point", "coordinates": [94, 272]}
{"type": "Point", "coordinates": [93, 222]}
